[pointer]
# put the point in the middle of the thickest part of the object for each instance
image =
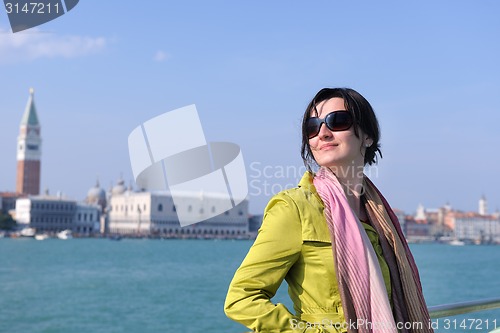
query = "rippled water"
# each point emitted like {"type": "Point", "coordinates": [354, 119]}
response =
{"type": "Point", "coordinates": [98, 285]}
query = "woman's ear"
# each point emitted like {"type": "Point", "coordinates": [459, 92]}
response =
{"type": "Point", "coordinates": [368, 142]}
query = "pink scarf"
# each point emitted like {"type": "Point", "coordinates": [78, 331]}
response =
{"type": "Point", "coordinates": [362, 290]}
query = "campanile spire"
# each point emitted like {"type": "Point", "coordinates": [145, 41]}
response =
{"type": "Point", "coordinates": [29, 151]}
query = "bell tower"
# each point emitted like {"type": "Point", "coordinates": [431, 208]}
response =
{"type": "Point", "coordinates": [483, 206]}
{"type": "Point", "coordinates": [29, 151]}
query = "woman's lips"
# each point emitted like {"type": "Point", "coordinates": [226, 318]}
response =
{"type": "Point", "coordinates": [328, 146]}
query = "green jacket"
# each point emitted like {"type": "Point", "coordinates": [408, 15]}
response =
{"type": "Point", "coordinates": [294, 244]}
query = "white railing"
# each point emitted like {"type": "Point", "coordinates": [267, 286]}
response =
{"type": "Point", "coordinates": [448, 310]}
{"type": "Point", "coordinates": [454, 309]}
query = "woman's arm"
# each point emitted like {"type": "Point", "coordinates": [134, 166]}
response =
{"type": "Point", "coordinates": [274, 251]}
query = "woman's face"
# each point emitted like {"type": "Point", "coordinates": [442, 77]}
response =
{"type": "Point", "coordinates": [339, 149]}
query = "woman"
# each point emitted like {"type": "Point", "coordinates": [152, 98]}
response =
{"type": "Point", "coordinates": [334, 238]}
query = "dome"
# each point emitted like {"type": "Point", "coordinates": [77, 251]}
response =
{"type": "Point", "coordinates": [119, 188]}
{"type": "Point", "coordinates": [96, 194]}
{"type": "Point", "coordinates": [129, 190]}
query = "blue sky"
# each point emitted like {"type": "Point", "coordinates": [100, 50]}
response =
{"type": "Point", "coordinates": [430, 70]}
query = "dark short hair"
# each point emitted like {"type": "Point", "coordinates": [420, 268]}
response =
{"type": "Point", "coordinates": [363, 118]}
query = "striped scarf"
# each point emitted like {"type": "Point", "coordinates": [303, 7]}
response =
{"type": "Point", "coordinates": [361, 285]}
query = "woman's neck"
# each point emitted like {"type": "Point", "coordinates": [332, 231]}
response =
{"type": "Point", "coordinates": [351, 178]}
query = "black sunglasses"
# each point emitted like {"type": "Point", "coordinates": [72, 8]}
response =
{"type": "Point", "coordinates": [335, 121]}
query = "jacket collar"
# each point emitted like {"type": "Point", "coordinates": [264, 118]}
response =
{"type": "Point", "coordinates": [307, 184]}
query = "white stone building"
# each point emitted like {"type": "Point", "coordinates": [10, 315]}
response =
{"type": "Point", "coordinates": [477, 228]}
{"type": "Point", "coordinates": [54, 214]}
{"type": "Point", "coordinates": [154, 213]}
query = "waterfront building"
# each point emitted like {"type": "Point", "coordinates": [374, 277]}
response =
{"type": "Point", "coordinates": [254, 223]}
{"type": "Point", "coordinates": [417, 229]}
{"type": "Point", "coordinates": [154, 213]}
{"type": "Point", "coordinates": [29, 151]}
{"type": "Point", "coordinates": [477, 228]}
{"type": "Point", "coordinates": [8, 202]}
{"type": "Point", "coordinates": [420, 214]}
{"type": "Point", "coordinates": [97, 196]}
{"type": "Point", "coordinates": [418, 226]}
{"type": "Point", "coordinates": [483, 206]}
{"type": "Point", "coordinates": [53, 214]}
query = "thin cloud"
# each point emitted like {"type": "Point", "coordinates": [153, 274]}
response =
{"type": "Point", "coordinates": [161, 56]}
{"type": "Point", "coordinates": [32, 45]}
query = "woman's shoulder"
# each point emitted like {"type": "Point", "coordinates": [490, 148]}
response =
{"type": "Point", "coordinates": [302, 195]}
{"type": "Point", "coordinates": [299, 195]}
{"type": "Point", "coordinates": [305, 191]}
{"type": "Point", "coordinates": [300, 204]}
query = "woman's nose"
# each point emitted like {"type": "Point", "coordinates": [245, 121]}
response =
{"type": "Point", "coordinates": [324, 131]}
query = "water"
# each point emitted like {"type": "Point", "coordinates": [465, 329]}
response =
{"type": "Point", "coordinates": [98, 285]}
